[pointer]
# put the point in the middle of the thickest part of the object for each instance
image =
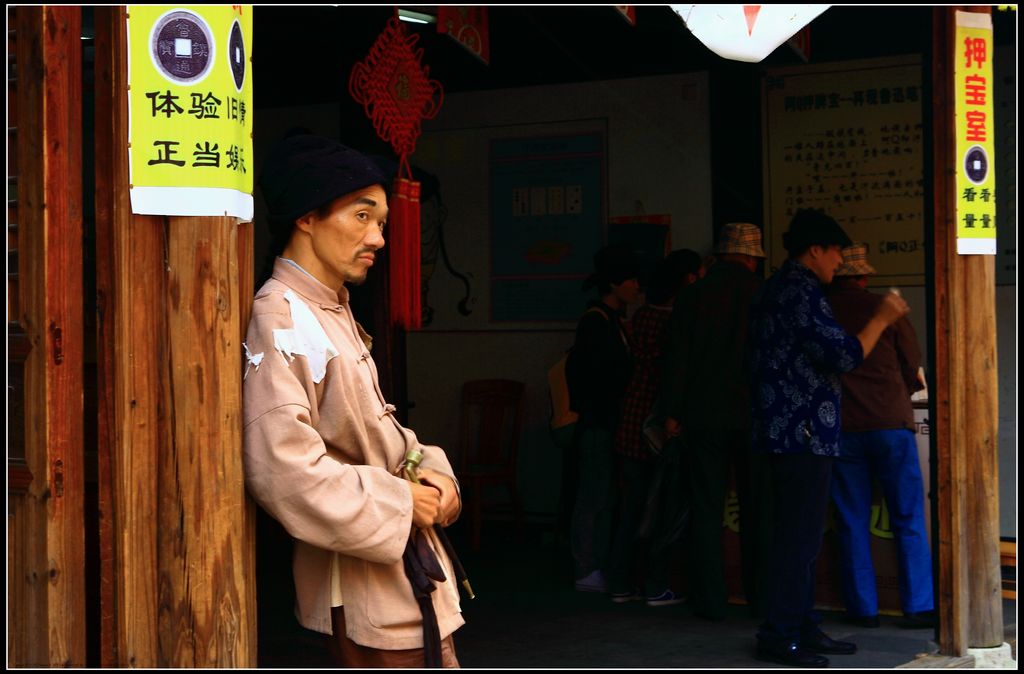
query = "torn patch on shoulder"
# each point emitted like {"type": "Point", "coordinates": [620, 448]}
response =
{"type": "Point", "coordinates": [251, 360]}
{"type": "Point", "coordinates": [305, 338]}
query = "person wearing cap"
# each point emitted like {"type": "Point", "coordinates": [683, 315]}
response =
{"type": "Point", "coordinates": [322, 448]}
{"type": "Point", "coordinates": [635, 464]}
{"type": "Point", "coordinates": [708, 404]}
{"type": "Point", "coordinates": [597, 371]}
{"type": "Point", "coordinates": [798, 353]}
{"type": "Point", "coordinates": [877, 442]}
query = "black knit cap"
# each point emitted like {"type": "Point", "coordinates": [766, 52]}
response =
{"type": "Point", "coordinates": [812, 227]}
{"type": "Point", "coordinates": [304, 172]}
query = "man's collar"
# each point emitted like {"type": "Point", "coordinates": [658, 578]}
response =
{"type": "Point", "coordinates": [301, 281]}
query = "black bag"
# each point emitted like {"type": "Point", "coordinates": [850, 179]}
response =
{"type": "Point", "coordinates": [666, 517]}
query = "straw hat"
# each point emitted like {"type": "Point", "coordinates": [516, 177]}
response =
{"type": "Point", "coordinates": [740, 237]}
{"type": "Point", "coordinates": [855, 261]}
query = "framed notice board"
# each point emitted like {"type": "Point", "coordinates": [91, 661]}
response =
{"type": "Point", "coordinates": [547, 221]}
{"type": "Point", "coordinates": [848, 138]}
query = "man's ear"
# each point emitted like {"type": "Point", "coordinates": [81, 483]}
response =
{"type": "Point", "coordinates": [306, 222]}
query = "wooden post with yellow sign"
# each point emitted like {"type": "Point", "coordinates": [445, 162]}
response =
{"type": "Point", "coordinates": [966, 405]}
{"type": "Point", "coordinates": [177, 529]}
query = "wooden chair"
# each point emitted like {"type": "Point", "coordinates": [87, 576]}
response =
{"type": "Point", "coordinates": [491, 421]}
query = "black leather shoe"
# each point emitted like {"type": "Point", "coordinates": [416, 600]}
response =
{"type": "Point", "coordinates": [869, 621]}
{"type": "Point", "coordinates": [790, 655]}
{"type": "Point", "coordinates": [822, 643]}
{"type": "Point", "coordinates": [922, 620]}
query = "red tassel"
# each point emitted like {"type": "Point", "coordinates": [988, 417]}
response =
{"type": "Point", "coordinates": [404, 262]}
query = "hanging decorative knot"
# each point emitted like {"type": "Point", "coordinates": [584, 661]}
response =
{"type": "Point", "coordinates": [397, 94]}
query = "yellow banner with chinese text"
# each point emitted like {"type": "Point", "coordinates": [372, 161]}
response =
{"type": "Point", "coordinates": [975, 135]}
{"type": "Point", "coordinates": [190, 110]}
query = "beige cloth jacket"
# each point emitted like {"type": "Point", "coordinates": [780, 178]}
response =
{"type": "Point", "coordinates": [321, 450]}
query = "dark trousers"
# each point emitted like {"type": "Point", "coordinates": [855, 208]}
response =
{"type": "Point", "coordinates": [590, 537]}
{"type": "Point", "coordinates": [636, 479]}
{"type": "Point", "coordinates": [709, 453]}
{"type": "Point", "coordinates": [801, 485]}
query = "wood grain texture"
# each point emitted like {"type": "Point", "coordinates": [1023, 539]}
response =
{"type": "Point", "coordinates": [132, 371]}
{"type": "Point", "coordinates": [52, 548]}
{"type": "Point", "coordinates": [203, 544]}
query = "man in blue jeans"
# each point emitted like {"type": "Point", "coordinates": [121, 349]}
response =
{"type": "Point", "coordinates": [798, 353]}
{"type": "Point", "coordinates": [877, 442]}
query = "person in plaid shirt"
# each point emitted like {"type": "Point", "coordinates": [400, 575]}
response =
{"type": "Point", "coordinates": [636, 469]}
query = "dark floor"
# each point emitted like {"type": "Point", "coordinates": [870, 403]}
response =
{"type": "Point", "coordinates": [527, 615]}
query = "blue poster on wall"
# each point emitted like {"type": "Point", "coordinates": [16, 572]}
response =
{"type": "Point", "coordinates": [547, 221]}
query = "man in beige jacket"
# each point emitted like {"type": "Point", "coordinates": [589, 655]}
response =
{"type": "Point", "coordinates": [323, 451]}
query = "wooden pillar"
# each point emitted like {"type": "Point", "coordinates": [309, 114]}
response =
{"type": "Point", "coordinates": [206, 618]}
{"type": "Point", "coordinates": [51, 543]}
{"type": "Point", "coordinates": [966, 405]}
{"type": "Point", "coordinates": [178, 529]}
{"type": "Point", "coordinates": [131, 371]}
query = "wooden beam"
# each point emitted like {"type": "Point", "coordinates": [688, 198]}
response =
{"type": "Point", "coordinates": [966, 409]}
{"type": "Point", "coordinates": [205, 619]}
{"type": "Point", "coordinates": [50, 256]}
{"type": "Point", "coordinates": [132, 369]}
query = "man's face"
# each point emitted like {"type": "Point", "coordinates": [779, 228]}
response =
{"type": "Point", "coordinates": [824, 261]}
{"type": "Point", "coordinates": [345, 241]}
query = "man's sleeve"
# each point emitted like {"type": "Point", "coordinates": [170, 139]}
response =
{"type": "Point", "coordinates": [823, 339]}
{"type": "Point", "coordinates": [681, 325]}
{"type": "Point", "coordinates": [361, 511]}
{"type": "Point", "coordinates": [909, 354]}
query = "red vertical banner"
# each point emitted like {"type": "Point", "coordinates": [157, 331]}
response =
{"type": "Point", "coordinates": [628, 12]}
{"type": "Point", "coordinates": [468, 25]}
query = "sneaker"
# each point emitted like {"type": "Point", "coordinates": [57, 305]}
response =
{"type": "Point", "coordinates": [592, 583]}
{"type": "Point", "coordinates": [624, 597]}
{"type": "Point", "coordinates": [666, 598]}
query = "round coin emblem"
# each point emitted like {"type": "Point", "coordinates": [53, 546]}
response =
{"type": "Point", "coordinates": [181, 46]}
{"type": "Point", "coordinates": [976, 164]}
{"type": "Point", "coordinates": [236, 55]}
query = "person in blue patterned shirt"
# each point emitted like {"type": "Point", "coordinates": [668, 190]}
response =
{"type": "Point", "coordinates": [798, 353]}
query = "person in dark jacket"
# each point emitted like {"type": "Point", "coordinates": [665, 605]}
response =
{"type": "Point", "coordinates": [799, 351]}
{"type": "Point", "coordinates": [877, 442]}
{"type": "Point", "coordinates": [597, 371]}
{"type": "Point", "coordinates": [709, 406]}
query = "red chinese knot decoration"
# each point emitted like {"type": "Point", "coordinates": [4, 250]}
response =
{"type": "Point", "coordinates": [397, 94]}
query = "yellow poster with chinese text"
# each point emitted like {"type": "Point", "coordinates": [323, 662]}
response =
{"type": "Point", "coordinates": [190, 110]}
{"type": "Point", "coordinates": [975, 135]}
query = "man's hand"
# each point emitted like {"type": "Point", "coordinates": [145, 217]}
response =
{"type": "Point", "coordinates": [450, 504]}
{"type": "Point", "coordinates": [892, 308]}
{"type": "Point", "coordinates": [426, 505]}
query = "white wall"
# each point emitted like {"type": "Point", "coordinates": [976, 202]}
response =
{"type": "Point", "coordinates": [658, 159]}
{"type": "Point", "coordinates": [1006, 345]}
